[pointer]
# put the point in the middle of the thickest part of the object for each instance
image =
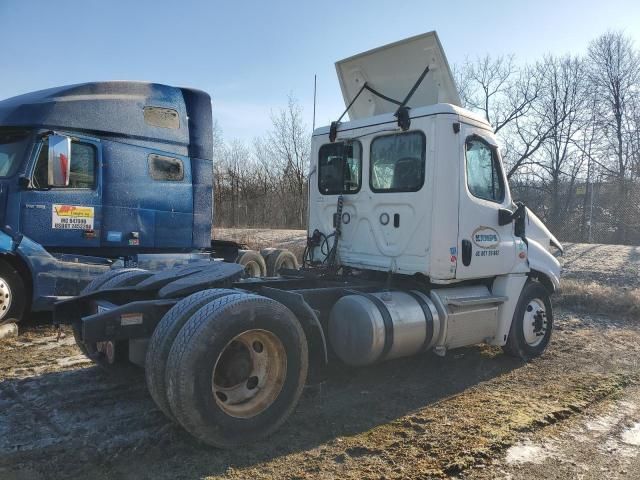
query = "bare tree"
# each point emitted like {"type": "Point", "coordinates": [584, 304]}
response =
{"type": "Point", "coordinates": [505, 95]}
{"type": "Point", "coordinates": [563, 98]}
{"type": "Point", "coordinates": [218, 167]}
{"type": "Point", "coordinates": [614, 75]}
{"type": "Point", "coordinates": [264, 185]}
{"type": "Point", "coordinates": [485, 85]}
{"type": "Point", "coordinates": [288, 143]}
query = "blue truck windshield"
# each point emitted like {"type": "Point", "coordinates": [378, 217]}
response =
{"type": "Point", "coordinates": [12, 145]}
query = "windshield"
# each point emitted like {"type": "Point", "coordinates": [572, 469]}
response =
{"type": "Point", "coordinates": [12, 145]}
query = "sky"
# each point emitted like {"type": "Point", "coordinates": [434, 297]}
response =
{"type": "Point", "coordinates": [251, 55]}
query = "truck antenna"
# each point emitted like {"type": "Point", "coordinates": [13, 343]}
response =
{"type": "Point", "coordinates": [314, 103]}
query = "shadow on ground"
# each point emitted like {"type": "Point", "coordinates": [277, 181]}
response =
{"type": "Point", "coordinates": [86, 421]}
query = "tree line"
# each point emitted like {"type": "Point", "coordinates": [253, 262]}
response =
{"type": "Point", "coordinates": [569, 127]}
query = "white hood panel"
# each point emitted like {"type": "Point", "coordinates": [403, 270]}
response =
{"type": "Point", "coordinates": [392, 70]}
{"type": "Point", "coordinates": [539, 238]}
{"type": "Point", "coordinates": [534, 228]}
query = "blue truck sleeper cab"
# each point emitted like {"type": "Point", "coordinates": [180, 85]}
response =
{"type": "Point", "coordinates": [139, 185]}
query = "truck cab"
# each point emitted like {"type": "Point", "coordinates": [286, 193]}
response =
{"type": "Point", "coordinates": [418, 199]}
{"type": "Point", "coordinates": [98, 173]}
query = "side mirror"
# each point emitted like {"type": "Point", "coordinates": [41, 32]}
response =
{"type": "Point", "coordinates": [505, 217]}
{"type": "Point", "coordinates": [59, 161]}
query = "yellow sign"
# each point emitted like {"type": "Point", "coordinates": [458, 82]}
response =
{"type": "Point", "coordinates": [72, 217]}
{"type": "Point", "coordinates": [581, 190]}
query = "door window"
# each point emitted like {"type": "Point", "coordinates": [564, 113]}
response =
{"type": "Point", "coordinates": [397, 163]}
{"type": "Point", "coordinates": [484, 176]}
{"type": "Point", "coordinates": [340, 168]}
{"type": "Point", "coordinates": [12, 146]}
{"type": "Point", "coordinates": [83, 166]}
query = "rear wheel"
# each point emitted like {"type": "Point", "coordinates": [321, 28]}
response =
{"type": "Point", "coordinates": [252, 262]}
{"type": "Point", "coordinates": [279, 259]}
{"type": "Point", "coordinates": [163, 338]}
{"type": "Point", "coordinates": [532, 323]}
{"type": "Point", "coordinates": [13, 301]}
{"type": "Point", "coordinates": [236, 370]}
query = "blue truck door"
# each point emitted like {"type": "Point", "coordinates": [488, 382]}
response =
{"type": "Point", "coordinates": [64, 216]}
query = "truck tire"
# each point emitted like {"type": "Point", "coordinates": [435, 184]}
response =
{"type": "Point", "coordinates": [13, 295]}
{"type": "Point", "coordinates": [532, 323]}
{"type": "Point", "coordinates": [252, 262]}
{"type": "Point", "coordinates": [109, 355]}
{"type": "Point", "coordinates": [278, 259]}
{"type": "Point", "coordinates": [265, 252]}
{"type": "Point", "coordinates": [236, 370]}
{"type": "Point", "coordinates": [97, 282]}
{"type": "Point", "coordinates": [129, 278]}
{"type": "Point", "coordinates": [163, 338]}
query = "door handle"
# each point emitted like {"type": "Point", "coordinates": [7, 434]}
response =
{"type": "Point", "coordinates": [466, 252]}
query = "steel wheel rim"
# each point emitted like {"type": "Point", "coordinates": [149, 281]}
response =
{"type": "Point", "coordinates": [535, 322]}
{"type": "Point", "coordinates": [252, 269]}
{"type": "Point", "coordinates": [5, 298]}
{"type": "Point", "coordinates": [249, 373]}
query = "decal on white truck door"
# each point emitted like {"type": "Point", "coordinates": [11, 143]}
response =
{"type": "Point", "coordinates": [72, 217]}
{"type": "Point", "coordinates": [485, 237]}
{"type": "Point", "coordinates": [487, 240]}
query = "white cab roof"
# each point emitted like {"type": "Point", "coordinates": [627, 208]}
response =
{"type": "Point", "coordinates": [392, 70]}
{"type": "Point", "coordinates": [385, 118]}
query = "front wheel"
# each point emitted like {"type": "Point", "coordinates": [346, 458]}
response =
{"type": "Point", "coordinates": [532, 323]}
{"type": "Point", "coordinates": [13, 305]}
{"type": "Point", "coordinates": [236, 370]}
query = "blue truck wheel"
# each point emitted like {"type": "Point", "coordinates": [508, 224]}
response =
{"type": "Point", "coordinates": [12, 295]}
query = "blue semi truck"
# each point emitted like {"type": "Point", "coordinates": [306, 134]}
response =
{"type": "Point", "coordinates": [101, 176]}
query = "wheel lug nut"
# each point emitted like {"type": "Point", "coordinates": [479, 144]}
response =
{"type": "Point", "coordinates": [252, 383]}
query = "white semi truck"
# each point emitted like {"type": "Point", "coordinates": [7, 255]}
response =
{"type": "Point", "coordinates": [414, 244]}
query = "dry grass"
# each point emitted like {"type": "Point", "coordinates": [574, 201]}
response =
{"type": "Point", "coordinates": [598, 298]}
{"type": "Point", "coordinates": [259, 238]}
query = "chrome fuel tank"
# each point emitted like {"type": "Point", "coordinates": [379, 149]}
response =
{"type": "Point", "coordinates": [365, 328]}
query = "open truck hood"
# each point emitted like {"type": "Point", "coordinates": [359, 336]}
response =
{"type": "Point", "coordinates": [392, 70]}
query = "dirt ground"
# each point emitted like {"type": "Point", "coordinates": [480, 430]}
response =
{"type": "Point", "coordinates": [476, 413]}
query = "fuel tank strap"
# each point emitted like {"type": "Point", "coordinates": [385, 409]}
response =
{"type": "Point", "coordinates": [386, 318]}
{"type": "Point", "coordinates": [428, 317]}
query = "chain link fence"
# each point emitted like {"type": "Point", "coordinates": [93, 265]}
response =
{"type": "Point", "coordinates": [599, 212]}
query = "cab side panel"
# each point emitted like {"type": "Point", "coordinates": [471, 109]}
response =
{"type": "Point", "coordinates": [444, 222]}
{"type": "Point", "coordinates": [162, 217]}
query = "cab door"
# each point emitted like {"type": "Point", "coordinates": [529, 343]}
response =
{"type": "Point", "coordinates": [68, 216]}
{"type": "Point", "coordinates": [485, 248]}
